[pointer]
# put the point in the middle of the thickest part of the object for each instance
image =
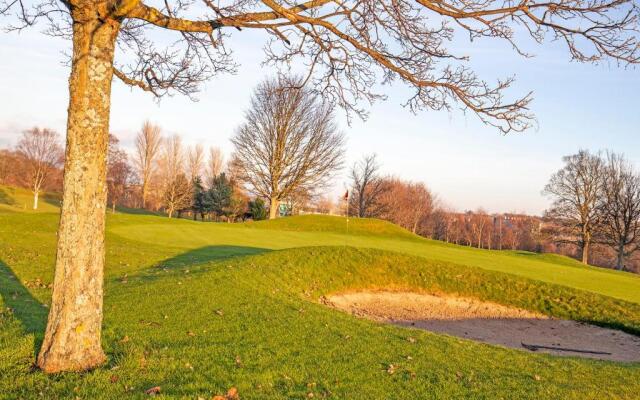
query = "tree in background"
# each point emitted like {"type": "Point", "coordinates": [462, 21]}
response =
{"type": "Point", "coordinates": [177, 194]}
{"type": "Point", "coordinates": [289, 141]}
{"type": "Point", "coordinates": [195, 161]}
{"type": "Point", "coordinates": [619, 207]}
{"type": "Point", "coordinates": [148, 143]}
{"type": "Point", "coordinates": [215, 163]}
{"type": "Point", "coordinates": [238, 204]}
{"type": "Point", "coordinates": [325, 205]}
{"type": "Point", "coordinates": [118, 172]}
{"type": "Point", "coordinates": [479, 222]}
{"type": "Point", "coordinates": [257, 209]}
{"type": "Point", "coordinates": [220, 193]}
{"type": "Point", "coordinates": [345, 53]}
{"type": "Point", "coordinates": [201, 204]}
{"type": "Point", "coordinates": [404, 203]}
{"type": "Point", "coordinates": [42, 152]}
{"type": "Point", "coordinates": [575, 190]}
{"type": "Point", "coordinates": [5, 165]}
{"type": "Point", "coordinates": [367, 186]}
{"type": "Point", "coordinates": [176, 188]}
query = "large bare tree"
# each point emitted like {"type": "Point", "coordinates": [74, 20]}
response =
{"type": "Point", "coordinates": [367, 186]}
{"type": "Point", "coordinates": [346, 47]}
{"type": "Point", "coordinates": [42, 152]}
{"type": "Point", "coordinates": [576, 189]}
{"type": "Point", "coordinates": [620, 207]}
{"type": "Point", "coordinates": [148, 142]}
{"type": "Point", "coordinates": [289, 142]}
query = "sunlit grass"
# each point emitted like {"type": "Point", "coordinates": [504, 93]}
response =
{"type": "Point", "coordinates": [197, 308]}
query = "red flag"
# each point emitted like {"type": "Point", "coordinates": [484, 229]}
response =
{"type": "Point", "coordinates": [346, 195]}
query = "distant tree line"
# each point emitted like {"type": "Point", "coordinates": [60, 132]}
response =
{"type": "Point", "coordinates": [162, 175]}
{"type": "Point", "coordinates": [595, 215]}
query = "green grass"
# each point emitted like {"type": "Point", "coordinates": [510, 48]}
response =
{"type": "Point", "coordinates": [206, 306]}
{"type": "Point", "coordinates": [331, 231]}
{"type": "Point", "coordinates": [18, 199]}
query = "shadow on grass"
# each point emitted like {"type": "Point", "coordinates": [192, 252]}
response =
{"type": "Point", "coordinates": [210, 253]}
{"type": "Point", "coordinates": [137, 211]}
{"type": "Point", "coordinates": [27, 309]}
{"type": "Point", "coordinates": [5, 198]}
{"type": "Point", "coordinates": [195, 257]}
{"type": "Point", "coordinates": [53, 199]}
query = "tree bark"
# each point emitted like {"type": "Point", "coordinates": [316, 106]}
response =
{"type": "Point", "coordinates": [585, 252]}
{"type": "Point", "coordinates": [145, 189]}
{"type": "Point", "coordinates": [273, 208]}
{"type": "Point", "coordinates": [35, 200]}
{"type": "Point", "coordinates": [72, 340]}
{"type": "Point", "coordinates": [620, 261]}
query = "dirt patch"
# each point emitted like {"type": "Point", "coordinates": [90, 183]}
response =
{"type": "Point", "coordinates": [491, 323]}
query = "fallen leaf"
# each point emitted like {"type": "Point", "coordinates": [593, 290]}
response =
{"type": "Point", "coordinates": [537, 377]}
{"type": "Point", "coordinates": [114, 378]}
{"type": "Point", "coordinates": [191, 333]}
{"type": "Point", "coordinates": [153, 391]}
{"type": "Point", "coordinates": [232, 394]}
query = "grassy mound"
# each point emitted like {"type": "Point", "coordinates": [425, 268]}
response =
{"type": "Point", "coordinates": [327, 223]}
{"type": "Point", "coordinates": [14, 199]}
{"type": "Point", "coordinates": [256, 323]}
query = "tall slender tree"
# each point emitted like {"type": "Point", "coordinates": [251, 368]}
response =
{"type": "Point", "coordinates": [215, 163]}
{"type": "Point", "coordinates": [195, 161]}
{"type": "Point", "coordinates": [148, 142]}
{"type": "Point", "coordinates": [347, 46]}
{"type": "Point", "coordinates": [176, 187]}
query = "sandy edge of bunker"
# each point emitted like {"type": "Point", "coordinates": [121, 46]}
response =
{"type": "Point", "coordinates": [491, 323]}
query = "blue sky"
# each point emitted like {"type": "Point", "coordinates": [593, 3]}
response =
{"type": "Point", "coordinates": [467, 164]}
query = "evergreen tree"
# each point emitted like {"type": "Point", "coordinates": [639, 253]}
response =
{"type": "Point", "coordinates": [257, 209]}
{"type": "Point", "coordinates": [201, 203]}
{"type": "Point", "coordinates": [220, 194]}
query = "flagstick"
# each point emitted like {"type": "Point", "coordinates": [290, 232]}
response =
{"type": "Point", "coordinates": [347, 205]}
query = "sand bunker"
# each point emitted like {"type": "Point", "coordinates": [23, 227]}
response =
{"type": "Point", "coordinates": [491, 323]}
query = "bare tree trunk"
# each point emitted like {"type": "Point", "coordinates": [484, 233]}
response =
{"type": "Point", "coordinates": [35, 199]}
{"type": "Point", "coordinates": [585, 252]}
{"type": "Point", "coordinates": [72, 341]}
{"type": "Point", "coordinates": [620, 261]}
{"type": "Point", "coordinates": [145, 189]}
{"type": "Point", "coordinates": [273, 209]}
